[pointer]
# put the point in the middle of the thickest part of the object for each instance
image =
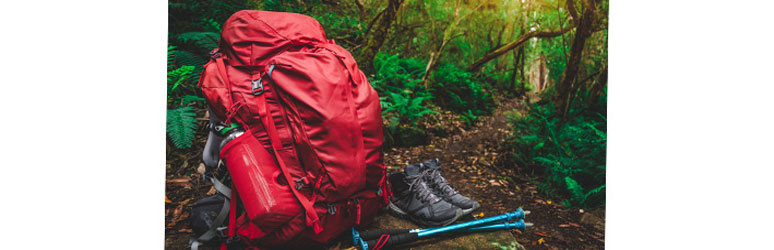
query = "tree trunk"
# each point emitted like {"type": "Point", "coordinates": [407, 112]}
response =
{"type": "Point", "coordinates": [378, 33]}
{"type": "Point", "coordinates": [448, 35]}
{"type": "Point", "coordinates": [518, 42]}
{"type": "Point", "coordinates": [596, 89]}
{"type": "Point", "coordinates": [565, 88]}
{"type": "Point", "coordinates": [516, 59]}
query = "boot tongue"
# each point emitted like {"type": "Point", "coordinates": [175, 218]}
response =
{"type": "Point", "coordinates": [434, 163]}
{"type": "Point", "coordinates": [413, 169]}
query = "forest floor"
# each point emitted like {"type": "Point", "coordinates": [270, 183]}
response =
{"type": "Point", "coordinates": [473, 161]}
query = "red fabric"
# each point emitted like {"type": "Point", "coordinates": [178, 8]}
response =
{"type": "Point", "coordinates": [317, 125]}
{"type": "Point", "coordinates": [380, 243]}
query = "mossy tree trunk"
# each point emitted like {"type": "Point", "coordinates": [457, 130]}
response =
{"type": "Point", "coordinates": [584, 23]}
{"type": "Point", "coordinates": [377, 33]}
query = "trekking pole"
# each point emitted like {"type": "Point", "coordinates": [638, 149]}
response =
{"type": "Point", "coordinates": [373, 234]}
{"type": "Point", "coordinates": [398, 236]}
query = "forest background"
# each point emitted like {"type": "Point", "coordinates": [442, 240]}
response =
{"type": "Point", "coordinates": [428, 57]}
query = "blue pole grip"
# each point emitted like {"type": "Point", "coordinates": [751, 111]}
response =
{"type": "Point", "coordinates": [518, 214]}
{"type": "Point", "coordinates": [357, 241]}
{"type": "Point", "coordinates": [506, 225]}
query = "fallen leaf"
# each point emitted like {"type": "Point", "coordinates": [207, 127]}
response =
{"type": "Point", "coordinates": [185, 230]}
{"type": "Point", "coordinates": [179, 180]}
{"type": "Point", "coordinates": [178, 219]}
{"type": "Point", "coordinates": [481, 214]}
{"type": "Point", "coordinates": [212, 191]}
{"type": "Point", "coordinates": [201, 169]}
{"type": "Point", "coordinates": [177, 211]}
{"type": "Point", "coordinates": [186, 201]}
{"type": "Point", "coordinates": [574, 224]}
{"type": "Point", "coordinates": [166, 200]}
{"type": "Point", "coordinates": [544, 234]}
{"type": "Point", "coordinates": [564, 225]}
{"type": "Point", "coordinates": [540, 241]}
{"type": "Point", "coordinates": [548, 202]}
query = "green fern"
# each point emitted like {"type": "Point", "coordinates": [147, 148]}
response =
{"type": "Point", "coordinates": [575, 190]}
{"type": "Point", "coordinates": [570, 153]}
{"type": "Point", "coordinates": [177, 77]}
{"type": "Point", "coordinates": [187, 99]}
{"type": "Point", "coordinates": [468, 118]}
{"type": "Point", "coordinates": [594, 192]}
{"type": "Point", "coordinates": [171, 55]}
{"type": "Point", "coordinates": [210, 24]}
{"type": "Point", "coordinates": [407, 109]}
{"type": "Point", "coordinates": [181, 126]}
{"type": "Point", "coordinates": [200, 42]}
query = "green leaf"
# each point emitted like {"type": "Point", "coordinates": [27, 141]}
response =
{"type": "Point", "coordinates": [594, 192]}
{"type": "Point", "coordinates": [200, 42]}
{"type": "Point", "coordinates": [575, 190]}
{"type": "Point", "coordinates": [178, 76]}
{"type": "Point", "coordinates": [181, 126]}
{"type": "Point", "coordinates": [187, 99]}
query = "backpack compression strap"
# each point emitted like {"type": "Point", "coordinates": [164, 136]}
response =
{"type": "Point", "coordinates": [232, 110]}
{"type": "Point", "coordinates": [268, 123]}
{"type": "Point", "coordinates": [311, 216]}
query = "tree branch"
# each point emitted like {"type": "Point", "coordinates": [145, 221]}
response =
{"type": "Point", "coordinates": [359, 4]}
{"type": "Point", "coordinates": [571, 9]}
{"type": "Point", "coordinates": [512, 45]}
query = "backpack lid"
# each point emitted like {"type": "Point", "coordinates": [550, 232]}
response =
{"type": "Point", "coordinates": [251, 37]}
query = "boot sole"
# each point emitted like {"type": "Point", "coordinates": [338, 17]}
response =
{"type": "Point", "coordinates": [397, 212]}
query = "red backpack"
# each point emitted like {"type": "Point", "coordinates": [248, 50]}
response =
{"type": "Point", "coordinates": [310, 164]}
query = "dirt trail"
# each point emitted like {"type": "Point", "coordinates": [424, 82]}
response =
{"type": "Point", "coordinates": [473, 161]}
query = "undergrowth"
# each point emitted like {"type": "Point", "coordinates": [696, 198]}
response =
{"type": "Point", "coordinates": [461, 92]}
{"type": "Point", "coordinates": [570, 153]}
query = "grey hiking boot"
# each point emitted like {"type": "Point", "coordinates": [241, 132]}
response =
{"type": "Point", "coordinates": [442, 188]}
{"type": "Point", "coordinates": [413, 199]}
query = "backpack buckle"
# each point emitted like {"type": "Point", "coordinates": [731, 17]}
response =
{"type": "Point", "coordinates": [215, 53]}
{"type": "Point", "coordinates": [222, 232]}
{"type": "Point", "coordinates": [300, 183]}
{"type": "Point", "coordinates": [257, 87]}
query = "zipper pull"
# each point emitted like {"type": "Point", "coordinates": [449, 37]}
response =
{"type": "Point", "coordinates": [357, 219]}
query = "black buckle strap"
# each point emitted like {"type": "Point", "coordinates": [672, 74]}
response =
{"type": "Point", "coordinates": [234, 242]}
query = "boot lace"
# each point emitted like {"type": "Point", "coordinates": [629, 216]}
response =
{"type": "Point", "coordinates": [446, 189]}
{"type": "Point", "coordinates": [422, 191]}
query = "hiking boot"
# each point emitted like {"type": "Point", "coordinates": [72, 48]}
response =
{"type": "Point", "coordinates": [443, 189]}
{"type": "Point", "coordinates": [414, 199]}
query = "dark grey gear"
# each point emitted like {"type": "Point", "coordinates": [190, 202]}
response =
{"type": "Point", "coordinates": [442, 188]}
{"type": "Point", "coordinates": [413, 199]}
